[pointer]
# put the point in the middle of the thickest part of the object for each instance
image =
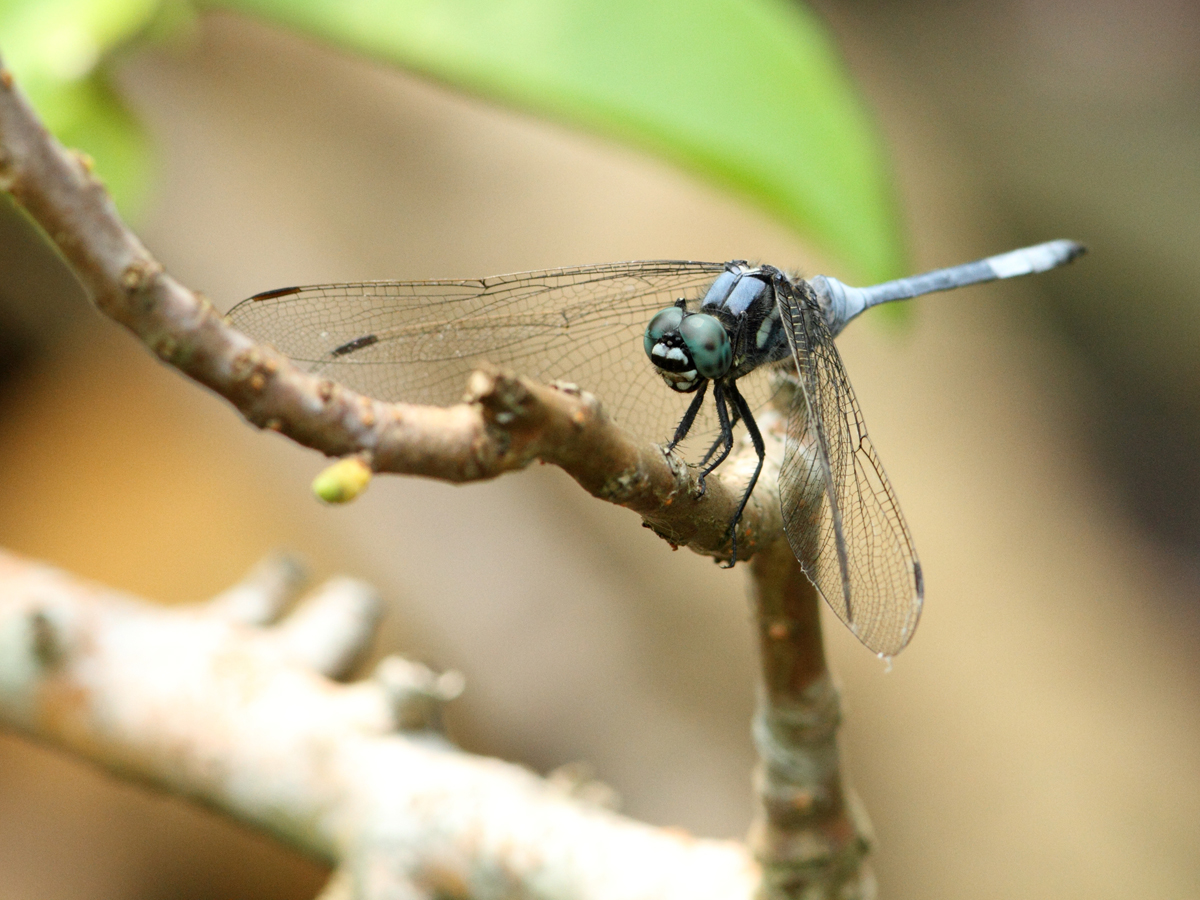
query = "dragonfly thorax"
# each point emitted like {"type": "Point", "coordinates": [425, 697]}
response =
{"type": "Point", "coordinates": [744, 297]}
{"type": "Point", "coordinates": [735, 330]}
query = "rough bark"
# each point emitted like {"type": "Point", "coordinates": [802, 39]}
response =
{"type": "Point", "coordinates": [211, 704]}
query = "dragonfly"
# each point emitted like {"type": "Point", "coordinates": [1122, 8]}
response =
{"type": "Point", "coordinates": [720, 335]}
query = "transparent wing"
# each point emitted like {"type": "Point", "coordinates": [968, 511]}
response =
{"type": "Point", "coordinates": [417, 341]}
{"type": "Point", "coordinates": [839, 511]}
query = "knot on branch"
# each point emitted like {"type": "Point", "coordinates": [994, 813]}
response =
{"type": "Point", "coordinates": [512, 416]}
{"type": "Point", "coordinates": [415, 693]}
{"type": "Point", "coordinates": [139, 275]}
{"type": "Point", "coordinates": [251, 368]}
{"type": "Point", "coordinates": [578, 780]}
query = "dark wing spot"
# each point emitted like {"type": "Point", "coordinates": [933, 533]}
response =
{"type": "Point", "coordinates": [357, 344]}
{"type": "Point", "coordinates": [278, 292]}
{"type": "Point", "coordinates": [919, 578]}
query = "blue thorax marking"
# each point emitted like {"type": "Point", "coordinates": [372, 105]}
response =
{"type": "Point", "coordinates": [746, 293]}
{"type": "Point", "coordinates": [743, 298]}
{"type": "Point", "coordinates": [736, 290]}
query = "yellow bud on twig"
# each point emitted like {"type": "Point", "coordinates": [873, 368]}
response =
{"type": "Point", "coordinates": [342, 481]}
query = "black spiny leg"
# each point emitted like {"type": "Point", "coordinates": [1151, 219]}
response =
{"type": "Point", "coordinates": [733, 420]}
{"type": "Point", "coordinates": [743, 408]}
{"type": "Point", "coordinates": [685, 424]}
{"type": "Point", "coordinates": [726, 436]}
{"type": "Point", "coordinates": [712, 450]}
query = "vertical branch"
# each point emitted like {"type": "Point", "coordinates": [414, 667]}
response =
{"type": "Point", "coordinates": [810, 834]}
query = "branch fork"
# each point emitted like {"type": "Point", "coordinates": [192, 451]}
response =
{"type": "Point", "coordinates": [234, 704]}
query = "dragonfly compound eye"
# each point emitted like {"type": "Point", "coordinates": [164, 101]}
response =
{"type": "Point", "coordinates": [664, 322]}
{"type": "Point", "coordinates": [708, 343]}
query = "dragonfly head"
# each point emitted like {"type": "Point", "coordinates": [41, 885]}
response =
{"type": "Point", "coordinates": [687, 348]}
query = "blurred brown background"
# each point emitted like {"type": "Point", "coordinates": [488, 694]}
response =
{"type": "Point", "coordinates": [1041, 736]}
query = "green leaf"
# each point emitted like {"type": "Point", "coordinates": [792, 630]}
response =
{"type": "Point", "coordinates": [57, 50]}
{"type": "Point", "coordinates": [750, 94]}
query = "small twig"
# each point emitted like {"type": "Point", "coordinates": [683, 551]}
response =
{"type": "Point", "coordinates": [196, 702]}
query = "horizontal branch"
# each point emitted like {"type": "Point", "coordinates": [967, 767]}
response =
{"type": "Point", "coordinates": [506, 423]}
{"type": "Point", "coordinates": [198, 702]}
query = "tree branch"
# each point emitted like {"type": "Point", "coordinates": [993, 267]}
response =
{"type": "Point", "coordinates": [202, 703]}
{"type": "Point", "coordinates": [504, 423]}
{"type": "Point", "coordinates": [198, 702]}
{"type": "Point", "coordinates": [811, 834]}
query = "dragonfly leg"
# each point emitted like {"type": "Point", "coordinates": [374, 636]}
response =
{"type": "Point", "coordinates": [685, 424]}
{"type": "Point", "coordinates": [734, 418]}
{"type": "Point", "coordinates": [725, 437]}
{"type": "Point", "coordinates": [743, 410]}
{"type": "Point", "coordinates": [712, 450]}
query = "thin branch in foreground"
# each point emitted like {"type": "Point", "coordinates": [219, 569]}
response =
{"type": "Point", "coordinates": [196, 702]}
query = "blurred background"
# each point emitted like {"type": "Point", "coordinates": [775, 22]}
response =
{"type": "Point", "coordinates": [1041, 735]}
